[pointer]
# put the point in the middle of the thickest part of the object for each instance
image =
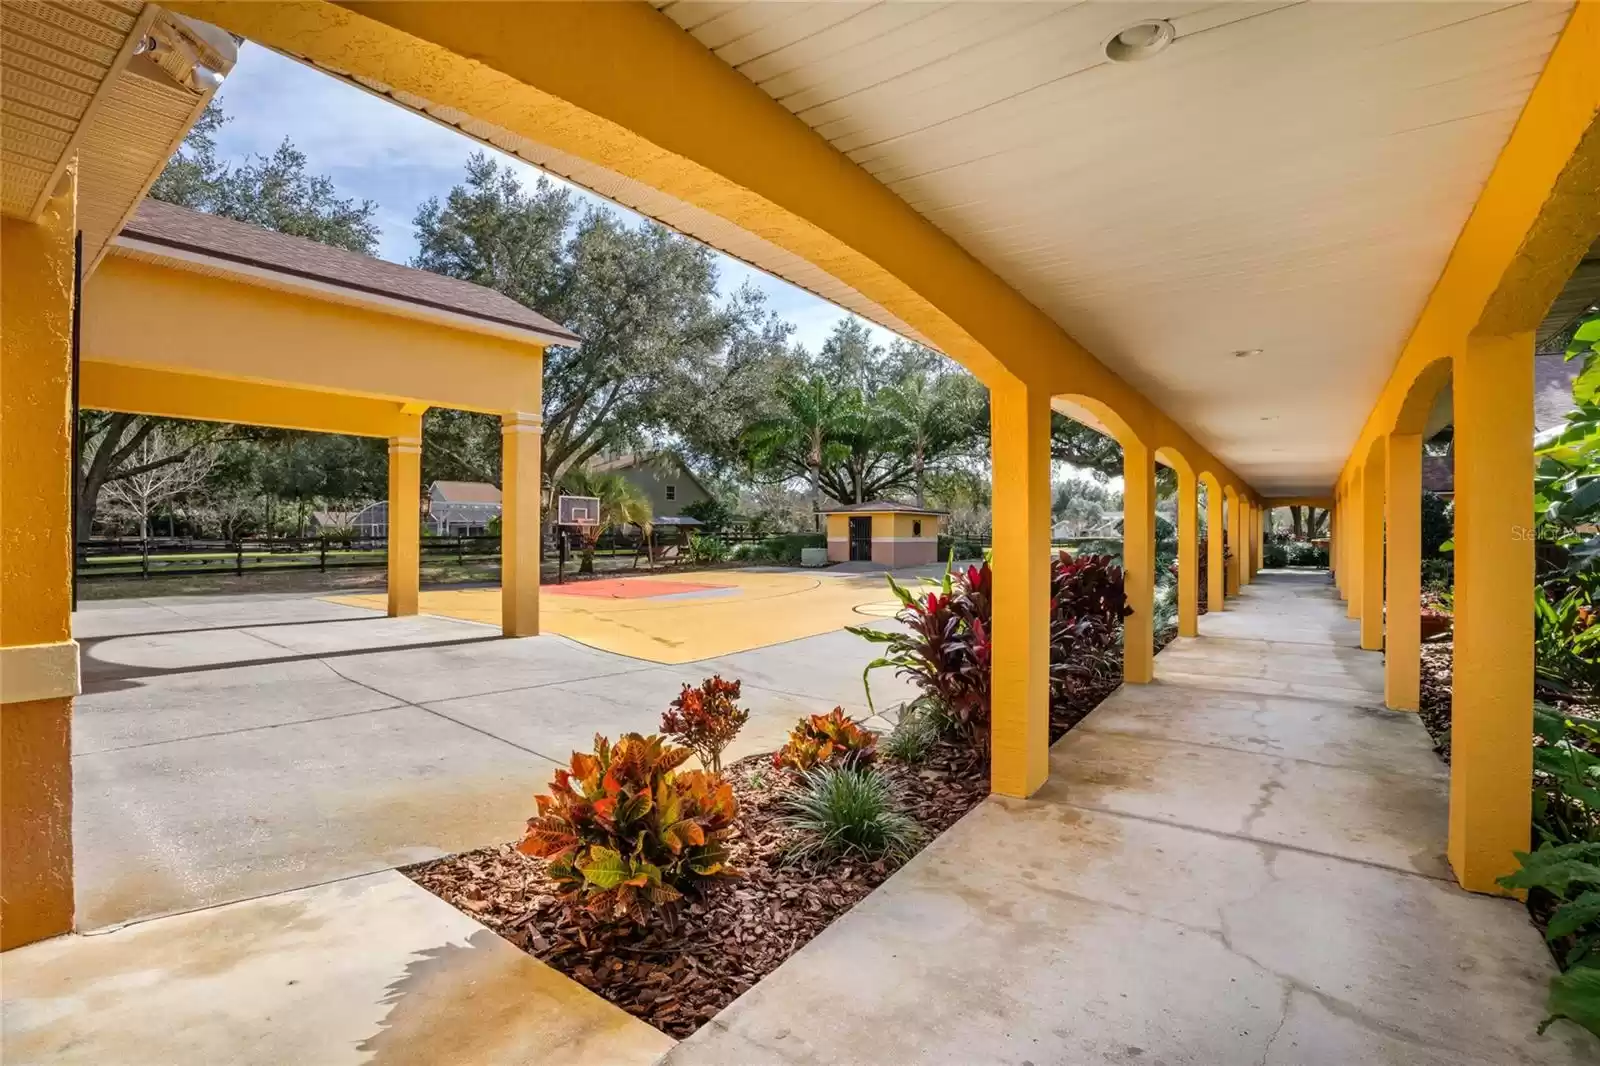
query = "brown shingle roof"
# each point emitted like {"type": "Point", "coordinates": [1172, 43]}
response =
{"type": "Point", "coordinates": [465, 492]}
{"type": "Point", "coordinates": [881, 506]}
{"type": "Point", "coordinates": [253, 246]}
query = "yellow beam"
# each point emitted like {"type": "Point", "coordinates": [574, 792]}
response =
{"type": "Point", "coordinates": [405, 520]}
{"type": "Point", "coordinates": [1372, 550]}
{"type": "Point", "coordinates": [1491, 724]}
{"type": "Point", "coordinates": [1188, 555]}
{"type": "Point", "coordinates": [1402, 665]}
{"type": "Point", "coordinates": [1019, 693]}
{"type": "Point", "coordinates": [172, 394]}
{"type": "Point", "coordinates": [1216, 569]}
{"type": "Point", "coordinates": [38, 660]}
{"type": "Point", "coordinates": [1138, 562]}
{"type": "Point", "coordinates": [155, 317]}
{"type": "Point", "coordinates": [520, 528]}
{"type": "Point", "coordinates": [593, 93]}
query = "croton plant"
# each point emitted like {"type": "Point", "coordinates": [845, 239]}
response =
{"type": "Point", "coordinates": [626, 833]}
{"type": "Point", "coordinates": [831, 739]}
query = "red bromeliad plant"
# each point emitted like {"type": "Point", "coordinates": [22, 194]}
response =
{"type": "Point", "coordinates": [831, 739]}
{"type": "Point", "coordinates": [626, 834]}
{"type": "Point", "coordinates": [946, 647]}
{"type": "Point", "coordinates": [706, 719]}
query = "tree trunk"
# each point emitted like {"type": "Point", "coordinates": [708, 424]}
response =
{"type": "Point", "coordinates": [922, 500]}
{"type": "Point", "coordinates": [816, 496]}
{"type": "Point", "coordinates": [1294, 519]}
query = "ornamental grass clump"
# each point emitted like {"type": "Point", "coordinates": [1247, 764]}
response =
{"type": "Point", "coordinates": [706, 719]}
{"type": "Point", "coordinates": [915, 734]}
{"type": "Point", "coordinates": [838, 811]}
{"type": "Point", "coordinates": [626, 834]}
{"type": "Point", "coordinates": [831, 739]}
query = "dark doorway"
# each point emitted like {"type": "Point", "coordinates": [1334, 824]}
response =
{"type": "Point", "coordinates": [861, 540]}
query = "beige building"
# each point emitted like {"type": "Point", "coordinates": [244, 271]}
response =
{"type": "Point", "coordinates": [883, 531]}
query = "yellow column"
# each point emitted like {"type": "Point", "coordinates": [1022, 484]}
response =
{"type": "Point", "coordinates": [1491, 766]}
{"type": "Point", "coordinates": [1402, 644]}
{"type": "Point", "coordinates": [1019, 695]}
{"type": "Point", "coordinates": [1352, 555]}
{"type": "Point", "coordinates": [1372, 479]}
{"type": "Point", "coordinates": [1336, 541]}
{"type": "Point", "coordinates": [1258, 543]}
{"type": "Point", "coordinates": [38, 658]}
{"type": "Point", "coordinates": [1138, 561]}
{"type": "Point", "coordinates": [1188, 555]}
{"type": "Point", "coordinates": [1216, 574]}
{"type": "Point", "coordinates": [1247, 564]}
{"type": "Point", "coordinates": [1235, 543]}
{"type": "Point", "coordinates": [405, 522]}
{"type": "Point", "coordinates": [521, 437]}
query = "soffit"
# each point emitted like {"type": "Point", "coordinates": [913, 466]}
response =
{"type": "Point", "coordinates": [73, 88]}
{"type": "Point", "coordinates": [1288, 177]}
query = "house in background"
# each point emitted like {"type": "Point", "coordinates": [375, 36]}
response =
{"type": "Point", "coordinates": [450, 509]}
{"type": "Point", "coordinates": [663, 477]}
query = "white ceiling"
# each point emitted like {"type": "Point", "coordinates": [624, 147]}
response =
{"type": "Point", "coordinates": [1289, 177]}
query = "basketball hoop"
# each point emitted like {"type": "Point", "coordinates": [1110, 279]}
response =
{"type": "Point", "coordinates": [580, 511]}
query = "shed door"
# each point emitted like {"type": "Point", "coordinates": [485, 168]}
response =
{"type": "Point", "coordinates": [861, 540]}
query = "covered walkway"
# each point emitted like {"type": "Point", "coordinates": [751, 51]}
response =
{"type": "Point", "coordinates": [1242, 862]}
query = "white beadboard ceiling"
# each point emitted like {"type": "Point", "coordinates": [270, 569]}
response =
{"type": "Point", "coordinates": [1286, 176]}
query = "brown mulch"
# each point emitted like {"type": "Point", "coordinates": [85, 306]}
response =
{"type": "Point", "coordinates": [738, 931]}
{"type": "Point", "coordinates": [726, 940]}
{"type": "Point", "coordinates": [1435, 694]}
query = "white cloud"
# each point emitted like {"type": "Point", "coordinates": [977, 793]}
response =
{"type": "Point", "coordinates": [375, 150]}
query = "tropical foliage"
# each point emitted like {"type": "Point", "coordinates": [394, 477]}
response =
{"type": "Point", "coordinates": [944, 647]}
{"type": "Point", "coordinates": [627, 834]}
{"type": "Point", "coordinates": [622, 504]}
{"type": "Point", "coordinates": [831, 739]}
{"type": "Point", "coordinates": [705, 719]}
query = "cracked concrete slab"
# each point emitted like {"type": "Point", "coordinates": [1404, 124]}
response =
{"type": "Point", "coordinates": [1262, 882]}
{"type": "Point", "coordinates": [372, 970]}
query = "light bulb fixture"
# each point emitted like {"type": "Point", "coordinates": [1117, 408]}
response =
{"type": "Point", "coordinates": [1140, 41]}
{"type": "Point", "coordinates": [1246, 353]}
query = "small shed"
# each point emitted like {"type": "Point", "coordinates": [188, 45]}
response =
{"type": "Point", "coordinates": [883, 531]}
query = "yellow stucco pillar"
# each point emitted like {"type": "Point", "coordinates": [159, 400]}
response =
{"type": "Point", "coordinates": [1352, 555]}
{"type": "Point", "coordinates": [1402, 642]}
{"type": "Point", "coordinates": [1216, 572]}
{"type": "Point", "coordinates": [1258, 543]}
{"type": "Point", "coordinates": [1188, 555]}
{"type": "Point", "coordinates": [1235, 543]}
{"type": "Point", "coordinates": [1491, 766]}
{"type": "Point", "coordinates": [1336, 542]}
{"type": "Point", "coordinates": [1247, 565]}
{"type": "Point", "coordinates": [38, 658]}
{"type": "Point", "coordinates": [405, 522]}
{"type": "Point", "coordinates": [1372, 479]}
{"type": "Point", "coordinates": [1019, 697]}
{"type": "Point", "coordinates": [1138, 561]}
{"type": "Point", "coordinates": [521, 438]}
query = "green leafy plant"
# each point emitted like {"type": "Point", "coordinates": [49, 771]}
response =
{"type": "Point", "coordinates": [1566, 763]}
{"type": "Point", "coordinates": [705, 719]}
{"type": "Point", "coordinates": [705, 549]}
{"type": "Point", "coordinates": [839, 811]}
{"type": "Point", "coordinates": [1569, 875]}
{"type": "Point", "coordinates": [626, 834]}
{"type": "Point", "coordinates": [1566, 639]}
{"type": "Point", "coordinates": [831, 739]}
{"type": "Point", "coordinates": [915, 734]}
{"type": "Point", "coordinates": [1275, 556]}
{"type": "Point", "coordinates": [1439, 575]}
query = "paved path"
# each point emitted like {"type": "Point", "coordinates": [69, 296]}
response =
{"type": "Point", "coordinates": [229, 747]}
{"type": "Point", "coordinates": [1239, 864]}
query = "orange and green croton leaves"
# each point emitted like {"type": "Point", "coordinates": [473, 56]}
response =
{"type": "Point", "coordinates": [831, 739]}
{"type": "Point", "coordinates": [626, 833]}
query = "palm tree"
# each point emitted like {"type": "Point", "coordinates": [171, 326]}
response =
{"type": "Point", "coordinates": [622, 503]}
{"type": "Point", "coordinates": [814, 417]}
{"type": "Point", "coordinates": [931, 414]}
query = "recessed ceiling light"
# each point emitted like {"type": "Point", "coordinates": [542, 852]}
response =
{"type": "Point", "coordinates": [1268, 418]}
{"type": "Point", "coordinates": [1245, 353]}
{"type": "Point", "coordinates": [1140, 41]}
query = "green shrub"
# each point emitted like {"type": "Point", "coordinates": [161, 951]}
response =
{"type": "Point", "coordinates": [1305, 553]}
{"type": "Point", "coordinates": [1438, 525]}
{"type": "Point", "coordinates": [1569, 874]}
{"type": "Point", "coordinates": [1439, 575]}
{"type": "Point", "coordinates": [707, 549]}
{"type": "Point", "coordinates": [842, 811]}
{"type": "Point", "coordinates": [1275, 556]}
{"type": "Point", "coordinates": [625, 834]}
{"type": "Point", "coordinates": [914, 736]}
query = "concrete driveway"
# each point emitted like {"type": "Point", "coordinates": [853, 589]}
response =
{"type": "Point", "coordinates": [230, 747]}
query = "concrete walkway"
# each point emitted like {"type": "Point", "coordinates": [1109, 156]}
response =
{"type": "Point", "coordinates": [226, 748]}
{"type": "Point", "coordinates": [1241, 863]}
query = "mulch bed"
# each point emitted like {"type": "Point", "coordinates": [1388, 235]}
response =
{"type": "Point", "coordinates": [737, 932]}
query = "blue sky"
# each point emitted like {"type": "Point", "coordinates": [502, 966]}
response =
{"type": "Point", "coordinates": [377, 151]}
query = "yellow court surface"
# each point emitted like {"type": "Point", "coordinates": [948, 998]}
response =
{"type": "Point", "coordinates": [680, 618]}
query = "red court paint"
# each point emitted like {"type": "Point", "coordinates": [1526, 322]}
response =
{"type": "Point", "coordinates": [627, 588]}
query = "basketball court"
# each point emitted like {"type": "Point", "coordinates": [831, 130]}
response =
{"type": "Point", "coordinates": [670, 619]}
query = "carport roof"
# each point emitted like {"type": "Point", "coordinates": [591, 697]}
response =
{"type": "Point", "coordinates": [254, 247]}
